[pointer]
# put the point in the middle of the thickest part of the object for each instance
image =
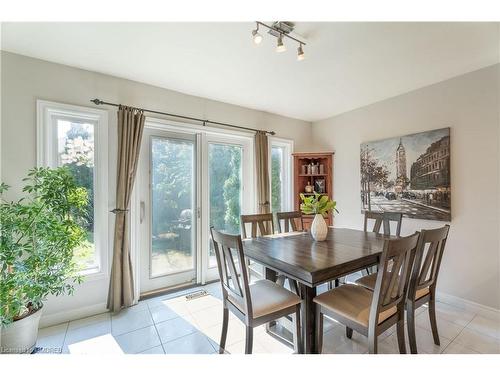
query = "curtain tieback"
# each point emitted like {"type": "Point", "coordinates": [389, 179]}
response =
{"type": "Point", "coordinates": [118, 211]}
{"type": "Point", "coordinates": [264, 204]}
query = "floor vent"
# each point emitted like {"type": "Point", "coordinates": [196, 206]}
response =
{"type": "Point", "coordinates": [197, 294]}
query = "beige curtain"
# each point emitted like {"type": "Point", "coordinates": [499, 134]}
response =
{"type": "Point", "coordinates": [262, 172]}
{"type": "Point", "coordinates": [130, 128]}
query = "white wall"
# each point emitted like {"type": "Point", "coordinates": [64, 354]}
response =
{"type": "Point", "coordinates": [469, 104]}
{"type": "Point", "coordinates": [24, 80]}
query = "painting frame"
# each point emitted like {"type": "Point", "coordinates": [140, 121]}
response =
{"type": "Point", "coordinates": [410, 174]}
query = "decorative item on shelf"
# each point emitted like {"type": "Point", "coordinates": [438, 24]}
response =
{"type": "Point", "coordinates": [304, 169]}
{"type": "Point", "coordinates": [49, 224]}
{"type": "Point", "coordinates": [309, 188]}
{"type": "Point", "coordinates": [318, 205]}
{"type": "Point", "coordinates": [321, 169]}
{"type": "Point", "coordinates": [314, 168]}
{"type": "Point", "coordinates": [309, 168]}
{"type": "Point", "coordinates": [319, 185]}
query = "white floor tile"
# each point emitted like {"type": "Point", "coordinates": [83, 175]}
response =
{"type": "Point", "coordinates": [161, 313]}
{"type": "Point", "coordinates": [239, 348]}
{"type": "Point", "coordinates": [446, 328]}
{"type": "Point", "coordinates": [156, 350]}
{"type": "Point", "coordinates": [209, 317]}
{"type": "Point", "coordinates": [51, 339]}
{"type": "Point", "coordinates": [236, 332]}
{"type": "Point", "coordinates": [139, 340]}
{"type": "Point", "coordinates": [87, 332]}
{"type": "Point", "coordinates": [174, 329]}
{"type": "Point", "coordinates": [99, 345]}
{"type": "Point", "coordinates": [336, 342]}
{"type": "Point", "coordinates": [481, 343]}
{"type": "Point", "coordinates": [453, 314]}
{"type": "Point", "coordinates": [271, 345]}
{"type": "Point", "coordinates": [456, 348]}
{"type": "Point", "coordinates": [195, 343]}
{"type": "Point", "coordinates": [486, 325]}
{"type": "Point", "coordinates": [91, 320]}
{"type": "Point", "coordinates": [202, 303]}
{"type": "Point", "coordinates": [129, 320]}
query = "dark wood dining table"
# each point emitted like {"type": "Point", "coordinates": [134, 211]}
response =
{"type": "Point", "coordinates": [312, 263]}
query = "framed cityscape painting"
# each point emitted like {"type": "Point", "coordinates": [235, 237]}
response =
{"type": "Point", "coordinates": [409, 174]}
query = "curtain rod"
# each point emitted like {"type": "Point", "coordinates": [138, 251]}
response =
{"type": "Point", "coordinates": [204, 122]}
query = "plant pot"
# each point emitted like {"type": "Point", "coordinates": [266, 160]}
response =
{"type": "Point", "coordinates": [319, 229]}
{"type": "Point", "coordinates": [20, 336]}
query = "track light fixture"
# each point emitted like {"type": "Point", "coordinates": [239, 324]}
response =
{"type": "Point", "coordinates": [280, 47]}
{"type": "Point", "coordinates": [300, 53]}
{"type": "Point", "coordinates": [279, 30]}
{"type": "Point", "coordinates": [257, 38]}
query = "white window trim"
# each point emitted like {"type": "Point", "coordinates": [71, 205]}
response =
{"type": "Point", "coordinates": [287, 144]}
{"type": "Point", "coordinates": [46, 110]}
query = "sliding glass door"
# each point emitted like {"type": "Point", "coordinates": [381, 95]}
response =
{"type": "Point", "coordinates": [186, 183]}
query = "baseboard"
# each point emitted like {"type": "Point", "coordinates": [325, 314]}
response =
{"type": "Point", "coordinates": [467, 305]}
{"type": "Point", "coordinates": [67, 315]}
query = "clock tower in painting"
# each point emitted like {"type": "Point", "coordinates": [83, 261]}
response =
{"type": "Point", "coordinates": [401, 176]}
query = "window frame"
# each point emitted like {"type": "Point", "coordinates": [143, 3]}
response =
{"type": "Point", "coordinates": [47, 113]}
{"type": "Point", "coordinates": [287, 180]}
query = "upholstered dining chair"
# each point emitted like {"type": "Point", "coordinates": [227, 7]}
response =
{"type": "Point", "coordinates": [255, 304]}
{"type": "Point", "coordinates": [423, 281]}
{"type": "Point", "coordinates": [372, 312]}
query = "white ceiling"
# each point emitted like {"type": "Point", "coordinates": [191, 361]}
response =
{"type": "Point", "coordinates": [347, 65]}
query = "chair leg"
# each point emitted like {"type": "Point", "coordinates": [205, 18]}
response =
{"type": "Point", "coordinates": [225, 321]}
{"type": "Point", "coordinates": [297, 335]}
{"type": "Point", "coordinates": [294, 286]}
{"type": "Point", "coordinates": [348, 332]}
{"type": "Point", "coordinates": [432, 317]}
{"type": "Point", "coordinates": [249, 340]}
{"type": "Point", "coordinates": [372, 343]}
{"type": "Point", "coordinates": [319, 329]}
{"type": "Point", "coordinates": [410, 323]}
{"type": "Point", "coordinates": [400, 328]}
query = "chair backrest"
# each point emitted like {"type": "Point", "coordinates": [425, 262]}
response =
{"type": "Point", "coordinates": [392, 282]}
{"type": "Point", "coordinates": [260, 225]}
{"type": "Point", "coordinates": [231, 264]}
{"type": "Point", "coordinates": [291, 221]}
{"type": "Point", "coordinates": [428, 259]}
{"type": "Point", "coordinates": [384, 218]}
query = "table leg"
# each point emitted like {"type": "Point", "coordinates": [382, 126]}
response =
{"type": "Point", "coordinates": [272, 276]}
{"type": "Point", "coordinates": [308, 319]}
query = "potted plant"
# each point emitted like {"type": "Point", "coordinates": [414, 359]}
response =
{"type": "Point", "coordinates": [317, 205]}
{"type": "Point", "coordinates": [38, 236]}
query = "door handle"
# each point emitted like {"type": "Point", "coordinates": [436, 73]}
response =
{"type": "Point", "coordinates": [142, 212]}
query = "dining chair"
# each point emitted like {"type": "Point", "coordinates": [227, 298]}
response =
{"type": "Point", "coordinates": [255, 304]}
{"type": "Point", "coordinates": [260, 225]}
{"type": "Point", "coordinates": [290, 220]}
{"type": "Point", "coordinates": [372, 312]}
{"type": "Point", "coordinates": [382, 221]}
{"type": "Point", "coordinates": [423, 280]}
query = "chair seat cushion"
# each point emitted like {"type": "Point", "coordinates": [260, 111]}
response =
{"type": "Point", "coordinates": [268, 297]}
{"type": "Point", "coordinates": [352, 302]}
{"type": "Point", "coordinates": [369, 281]}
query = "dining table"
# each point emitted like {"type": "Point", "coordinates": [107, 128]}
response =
{"type": "Point", "coordinates": [313, 263]}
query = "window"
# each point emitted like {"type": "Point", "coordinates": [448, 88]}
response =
{"type": "Point", "coordinates": [73, 136]}
{"type": "Point", "coordinates": [281, 181]}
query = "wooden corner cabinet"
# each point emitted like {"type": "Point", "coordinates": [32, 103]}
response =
{"type": "Point", "coordinates": [313, 172]}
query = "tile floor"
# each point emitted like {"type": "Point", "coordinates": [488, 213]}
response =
{"type": "Point", "coordinates": [172, 325]}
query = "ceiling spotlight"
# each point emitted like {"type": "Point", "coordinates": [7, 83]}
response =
{"type": "Point", "coordinates": [257, 38]}
{"type": "Point", "coordinates": [300, 53]}
{"type": "Point", "coordinates": [280, 46]}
